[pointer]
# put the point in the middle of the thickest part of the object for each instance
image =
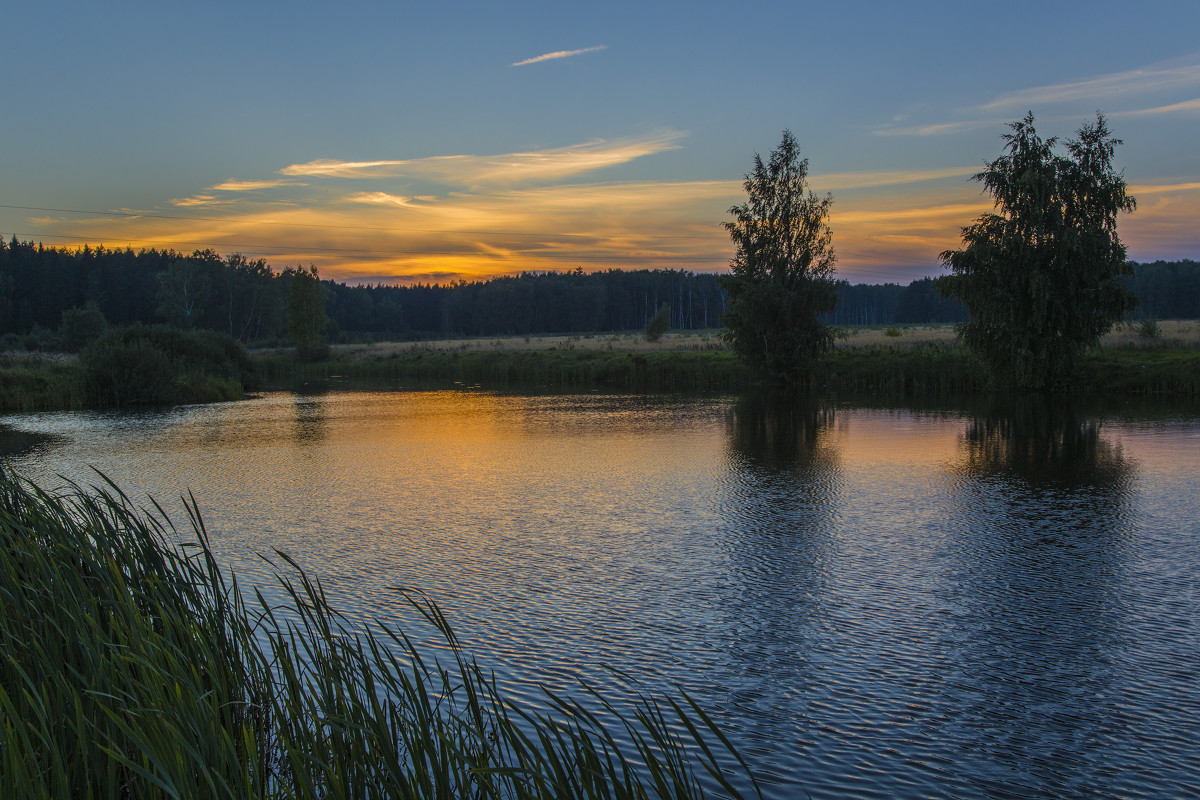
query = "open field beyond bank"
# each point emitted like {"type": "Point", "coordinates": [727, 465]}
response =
{"type": "Point", "coordinates": [888, 361]}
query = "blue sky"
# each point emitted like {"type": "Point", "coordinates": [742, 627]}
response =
{"type": "Point", "coordinates": [394, 142]}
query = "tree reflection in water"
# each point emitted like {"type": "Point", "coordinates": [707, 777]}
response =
{"type": "Point", "coordinates": [1043, 442]}
{"type": "Point", "coordinates": [776, 504]}
{"type": "Point", "coordinates": [310, 420]}
{"type": "Point", "coordinates": [1036, 641]}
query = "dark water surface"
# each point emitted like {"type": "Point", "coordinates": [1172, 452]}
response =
{"type": "Point", "coordinates": [873, 603]}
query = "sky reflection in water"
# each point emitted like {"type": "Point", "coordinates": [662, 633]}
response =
{"type": "Point", "coordinates": [981, 603]}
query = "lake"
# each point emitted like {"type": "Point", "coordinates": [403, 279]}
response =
{"type": "Point", "coordinates": [914, 602]}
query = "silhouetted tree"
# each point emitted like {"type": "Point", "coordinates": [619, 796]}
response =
{"type": "Point", "coordinates": [783, 268]}
{"type": "Point", "coordinates": [1043, 276]}
{"type": "Point", "coordinates": [306, 315]}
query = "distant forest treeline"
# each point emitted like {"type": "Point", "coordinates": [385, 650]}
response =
{"type": "Point", "coordinates": [246, 299]}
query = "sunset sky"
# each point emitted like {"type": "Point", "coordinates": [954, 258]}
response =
{"type": "Point", "coordinates": [398, 141]}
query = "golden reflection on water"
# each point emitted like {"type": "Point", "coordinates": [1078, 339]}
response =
{"type": "Point", "coordinates": [862, 595]}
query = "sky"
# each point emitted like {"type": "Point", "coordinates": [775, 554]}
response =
{"type": "Point", "coordinates": [400, 142]}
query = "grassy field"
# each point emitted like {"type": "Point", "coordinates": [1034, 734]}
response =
{"type": "Point", "coordinates": [1182, 334]}
{"type": "Point", "coordinates": [888, 360]}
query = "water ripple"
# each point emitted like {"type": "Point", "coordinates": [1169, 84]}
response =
{"type": "Point", "coordinates": [874, 603]}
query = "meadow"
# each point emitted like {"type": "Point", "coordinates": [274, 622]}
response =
{"type": "Point", "coordinates": [1182, 334]}
{"type": "Point", "coordinates": [884, 360]}
{"type": "Point", "coordinates": [1153, 359]}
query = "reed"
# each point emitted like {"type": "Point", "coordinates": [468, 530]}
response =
{"type": "Point", "coordinates": [922, 369]}
{"type": "Point", "coordinates": [132, 666]}
{"type": "Point", "coordinates": [34, 382]}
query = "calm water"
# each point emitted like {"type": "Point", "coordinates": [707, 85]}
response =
{"type": "Point", "coordinates": [875, 603]}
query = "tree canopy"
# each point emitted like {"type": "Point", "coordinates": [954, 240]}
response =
{"type": "Point", "coordinates": [782, 270]}
{"type": "Point", "coordinates": [306, 315]}
{"type": "Point", "coordinates": [1044, 276]}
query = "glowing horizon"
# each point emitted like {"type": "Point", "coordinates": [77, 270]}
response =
{"type": "Point", "coordinates": [494, 143]}
{"type": "Point", "coordinates": [515, 223]}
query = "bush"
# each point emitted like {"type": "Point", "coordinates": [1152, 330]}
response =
{"type": "Point", "coordinates": [40, 339]}
{"type": "Point", "coordinates": [1149, 329]}
{"type": "Point", "coordinates": [659, 324]}
{"type": "Point", "coordinates": [149, 365]}
{"type": "Point", "coordinates": [312, 353]}
{"type": "Point", "coordinates": [81, 326]}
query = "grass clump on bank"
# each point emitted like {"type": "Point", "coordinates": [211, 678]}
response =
{"type": "Point", "coordinates": [135, 365]}
{"type": "Point", "coordinates": [132, 667]}
{"type": "Point", "coordinates": [36, 381]}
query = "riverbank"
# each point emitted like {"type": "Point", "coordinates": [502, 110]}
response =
{"type": "Point", "coordinates": [887, 361]}
{"type": "Point", "coordinates": [891, 361]}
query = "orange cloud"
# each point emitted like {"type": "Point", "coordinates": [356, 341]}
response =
{"type": "Point", "coordinates": [882, 221]}
{"type": "Point", "coordinates": [539, 166]}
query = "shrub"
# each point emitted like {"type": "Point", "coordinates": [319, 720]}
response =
{"type": "Point", "coordinates": [659, 324]}
{"type": "Point", "coordinates": [40, 339]}
{"type": "Point", "coordinates": [81, 326]}
{"type": "Point", "coordinates": [147, 365]}
{"type": "Point", "coordinates": [1149, 329]}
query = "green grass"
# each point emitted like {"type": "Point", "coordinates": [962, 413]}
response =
{"type": "Point", "coordinates": [891, 368]}
{"type": "Point", "coordinates": [35, 383]}
{"type": "Point", "coordinates": [1141, 371]}
{"type": "Point", "coordinates": [131, 666]}
{"type": "Point", "coordinates": [933, 368]}
{"type": "Point", "coordinates": [887, 370]}
{"type": "Point", "coordinates": [615, 369]}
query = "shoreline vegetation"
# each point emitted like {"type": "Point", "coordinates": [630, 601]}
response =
{"type": "Point", "coordinates": [1162, 359]}
{"type": "Point", "coordinates": [136, 667]}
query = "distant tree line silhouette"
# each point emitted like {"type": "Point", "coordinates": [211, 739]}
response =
{"type": "Point", "coordinates": [52, 297]}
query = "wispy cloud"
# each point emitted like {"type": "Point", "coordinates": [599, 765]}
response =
{"type": "Point", "coordinates": [1173, 108]}
{"type": "Point", "coordinates": [332, 168]}
{"type": "Point", "coordinates": [232, 185]}
{"type": "Point", "coordinates": [379, 198]}
{"type": "Point", "coordinates": [507, 169]}
{"type": "Point", "coordinates": [865, 180]}
{"type": "Point", "coordinates": [557, 54]}
{"type": "Point", "coordinates": [1161, 77]}
{"type": "Point", "coordinates": [1163, 188]}
{"type": "Point", "coordinates": [197, 201]}
{"type": "Point", "coordinates": [1156, 77]}
{"type": "Point", "coordinates": [937, 129]}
